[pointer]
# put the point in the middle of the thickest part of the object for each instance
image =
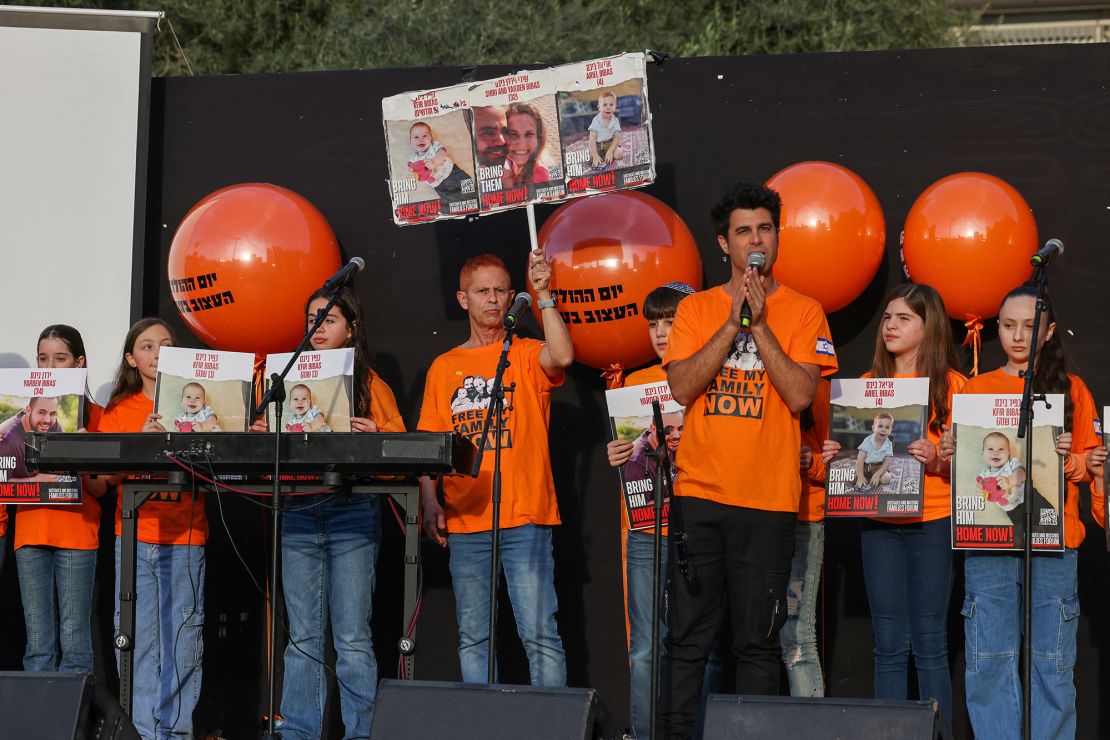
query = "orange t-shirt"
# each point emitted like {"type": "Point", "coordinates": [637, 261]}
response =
{"type": "Point", "coordinates": [741, 442]}
{"type": "Point", "coordinates": [651, 374]}
{"type": "Point", "coordinates": [1084, 437]}
{"type": "Point", "coordinates": [160, 522]}
{"type": "Point", "coordinates": [383, 405]}
{"type": "Point", "coordinates": [937, 492]}
{"type": "Point", "coordinates": [455, 400]}
{"type": "Point", "coordinates": [811, 506]}
{"type": "Point", "coordinates": [64, 527]}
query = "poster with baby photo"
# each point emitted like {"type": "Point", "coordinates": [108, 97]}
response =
{"type": "Point", "coordinates": [319, 393]}
{"type": "Point", "coordinates": [1099, 430]}
{"type": "Point", "coordinates": [516, 140]}
{"type": "Point", "coordinates": [33, 400]}
{"type": "Point", "coordinates": [630, 419]}
{"type": "Point", "coordinates": [429, 145]}
{"type": "Point", "coordinates": [203, 390]}
{"type": "Point", "coordinates": [605, 124]}
{"type": "Point", "coordinates": [875, 420]}
{"type": "Point", "coordinates": [990, 469]}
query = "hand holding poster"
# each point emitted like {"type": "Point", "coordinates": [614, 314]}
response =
{"type": "Point", "coordinates": [630, 418]}
{"type": "Point", "coordinates": [203, 390]}
{"type": "Point", "coordinates": [319, 391]}
{"type": "Point", "coordinates": [37, 400]}
{"type": "Point", "coordinates": [989, 473]}
{"type": "Point", "coordinates": [874, 420]}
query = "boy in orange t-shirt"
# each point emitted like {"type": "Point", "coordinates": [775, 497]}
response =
{"type": "Point", "coordinates": [659, 309]}
{"type": "Point", "coordinates": [743, 359]}
{"type": "Point", "coordinates": [464, 518]}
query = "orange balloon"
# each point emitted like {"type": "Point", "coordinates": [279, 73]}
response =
{"type": "Point", "coordinates": [970, 236]}
{"type": "Point", "coordinates": [608, 252]}
{"type": "Point", "coordinates": [242, 263]}
{"type": "Point", "coordinates": [832, 233]}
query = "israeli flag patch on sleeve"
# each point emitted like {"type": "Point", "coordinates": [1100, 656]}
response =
{"type": "Point", "coordinates": [1098, 427]}
{"type": "Point", "coordinates": [825, 347]}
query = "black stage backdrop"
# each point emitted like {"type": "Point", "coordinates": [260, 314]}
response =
{"type": "Point", "coordinates": [1038, 117]}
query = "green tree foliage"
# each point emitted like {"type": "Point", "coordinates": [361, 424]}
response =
{"type": "Point", "coordinates": [235, 36]}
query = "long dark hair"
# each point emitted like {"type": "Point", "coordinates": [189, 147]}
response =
{"type": "Point", "coordinates": [128, 380]}
{"type": "Point", "coordinates": [527, 109]}
{"type": "Point", "coordinates": [935, 357]}
{"type": "Point", "coordinates": [73, 341]}
{"type": "Point", "coordinates": [351, 307]}
{"type": "Point", "coordinates": [1053, 366]}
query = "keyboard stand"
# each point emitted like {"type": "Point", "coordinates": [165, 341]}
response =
{"type": "Point", "coordinates": [136, 493]}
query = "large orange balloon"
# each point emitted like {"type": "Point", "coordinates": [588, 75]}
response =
{"type": "Point", "coordinates": [970, 236]}
{"type": "Point", "coordinates": [608, 252]}
{"type": "Point", "coordinates": [832, 233]}
{"type": "Point", "coordinates": [242, 263]}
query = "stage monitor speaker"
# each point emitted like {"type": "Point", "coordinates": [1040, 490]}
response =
{"type": "Point", "coordinates": [60, 706]}
{"type": "Point", "coordinates": [463, 711]}
{"type": "Point", "coordinates": [822, 718]}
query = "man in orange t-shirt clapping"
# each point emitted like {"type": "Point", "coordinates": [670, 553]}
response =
{"type": "Point", "coordinates": [463, 519]}
{"type": "Point", "coordinates": [743, 359]}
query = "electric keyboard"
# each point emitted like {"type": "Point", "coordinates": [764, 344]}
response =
{"type": "Point", "coordinates": [369, 453]}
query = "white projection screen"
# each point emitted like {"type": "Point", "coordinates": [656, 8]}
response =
{"type": "Point", "coordinates": [74, 116]}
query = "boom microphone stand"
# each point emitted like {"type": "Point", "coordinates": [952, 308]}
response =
{"type": "Point", "coordinates": [276, 395]}
{"type": "Point", "coordinates": [661, 488]}
{"type": "Point", "coordinates": [493, 414]}
{"type": "Point", "coordinates": [1040, 278]}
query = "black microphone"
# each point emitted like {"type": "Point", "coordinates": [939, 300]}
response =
{"type": "Point", "coordinates": [1045, 253]}
{"type": "Point", "coordinates": [356, 264]}
{"type": "Point", "coordinates": [756, 260]}
{"type": "Point", "coordinates": [520, 305]}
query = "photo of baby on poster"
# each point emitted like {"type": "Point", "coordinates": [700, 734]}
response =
{"type": "Point", "coordinates": [38, 400]}
{"type": "Point", "coordinates": [989, 473]}
{"type": "Point", "coordinates": [875, 420]}
{"type": "Point", "coordinates": [630, 418]}
{"type": "Point", "coordinates": [203, 390]}
{"type": "Point", "coordinates": [319, 394]}
{"type": "Point", "coordinates": [605, 124]}
{"type": "Point", "coordinates": [429, 143]}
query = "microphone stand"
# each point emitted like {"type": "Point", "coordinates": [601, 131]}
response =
{"type": "Point", "coordinates": [276, 396]}
{"type": "Point", "coordinates": [661, 488]}
{"type": "Point", "coordinates": [493, 413]}
{"type": "Point", "coordinates": [1040, 278]}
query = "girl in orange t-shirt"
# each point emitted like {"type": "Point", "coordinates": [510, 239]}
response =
{"type": "Point", "coordinates": [994, 580]}
{"type": "Point", "coordinates": [329, 553]}
{"type": "Point", "coordinates": [907, 562]}
{"type": "Point", "coordinates": [169, 569]}
{"type": "Point", "coordinates": [55, 547]}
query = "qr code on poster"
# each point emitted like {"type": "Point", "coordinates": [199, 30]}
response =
{"type": "Point", "coordinates": [1048, 518]}
{"type": "Point", "coordinates": [467, 186]}
{"type": "Point", "coordinates": [642, 157]}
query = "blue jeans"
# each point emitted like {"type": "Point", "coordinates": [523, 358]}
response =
{"type": "Point", "coordinates": [907, 569]}
{"type": "Point", "coordinates": [168, 639]}
{"type": "Point", "coordinates": [59, 632]}
{"type": "Point", "coordinates": [329, 556]}
{"type": "Point", "coordinates": [529, 568]}
{"type": "Point", "coordinates": [992, 630]}
{"type": "Point", "coordinates": [640, 554]}
{"type": "Point", "coordinates": [799, 634]}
